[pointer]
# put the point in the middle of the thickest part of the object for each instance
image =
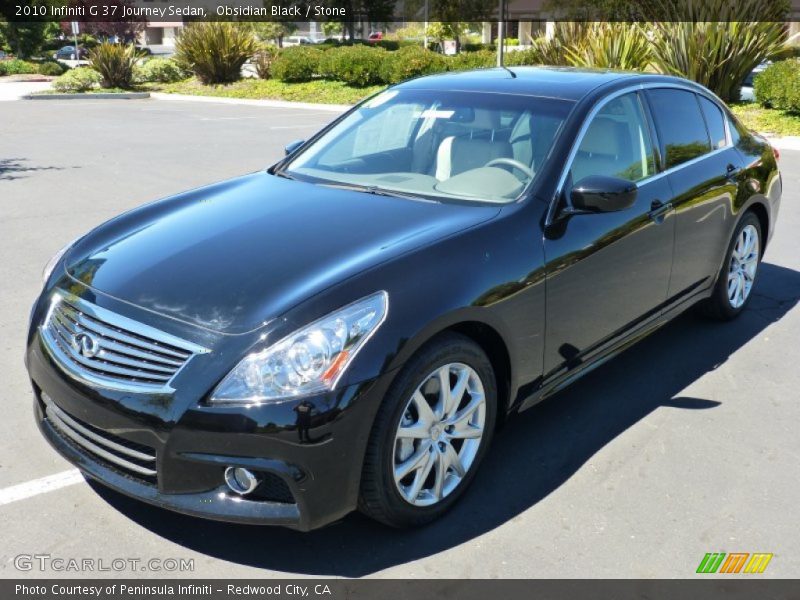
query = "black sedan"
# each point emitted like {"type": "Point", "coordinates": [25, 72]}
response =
{"type": "Point", "coordinates": [348, 328]}
{"type": "Point", "coordinates": [69, 53]}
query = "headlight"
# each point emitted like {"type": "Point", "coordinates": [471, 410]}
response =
{"type": "Point", "coordinates": [51, 264]}
{"type": "Point", "coordinates": [310, 360]}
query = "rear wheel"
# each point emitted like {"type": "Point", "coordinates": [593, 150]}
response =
{"type": "Point", "coordinates": [430, 434]}
{"type": "Point", "coordinates": [739, 271]}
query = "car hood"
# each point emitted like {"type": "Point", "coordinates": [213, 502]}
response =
{"type": "Point", "coordinates": [234, 255]}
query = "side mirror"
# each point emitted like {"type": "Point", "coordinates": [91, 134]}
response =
{"type": "Point", "coordinates": [292, 146]}
{"type": "Point", "coordinates": [598, 193]}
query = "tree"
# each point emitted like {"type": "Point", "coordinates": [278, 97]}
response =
{"type": "Point", "coordinates": [273, 31]}
{"type": "Point", "coordinates": [331, 28]}
{"type": "Point", "coordinates": [25, 39]}
{"type": "Point", "coordinates": [440, 31]}
{"type": "Point", "coordinates": [126, 29]}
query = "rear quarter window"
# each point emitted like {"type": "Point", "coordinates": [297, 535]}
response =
{"type": "Point", "coordinates": [680, 125]}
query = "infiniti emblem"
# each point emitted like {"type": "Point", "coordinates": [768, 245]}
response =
{"type": "Point", "coordinates": [85, 344]}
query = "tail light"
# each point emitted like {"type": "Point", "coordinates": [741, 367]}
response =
{"type": "Point", "coordinates": [776, 152]}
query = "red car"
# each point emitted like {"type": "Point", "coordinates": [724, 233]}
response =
{"type": "Point", "coordinates": [375, 36]}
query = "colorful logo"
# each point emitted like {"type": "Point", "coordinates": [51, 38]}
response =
{"type": "Point", "coordinates": [736, 562]}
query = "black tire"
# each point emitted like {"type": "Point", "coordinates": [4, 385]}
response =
{"type": "Point", "coordinates": [379, 497]}
{"type": "Point", "coordinates": [718, 305]}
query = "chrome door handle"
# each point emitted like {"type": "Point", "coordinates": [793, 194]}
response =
{"type": "Point", "coordinates": [658, 210]}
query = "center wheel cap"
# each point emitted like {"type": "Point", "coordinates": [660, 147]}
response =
{"type": "Point", "coordinates": [435, 432]}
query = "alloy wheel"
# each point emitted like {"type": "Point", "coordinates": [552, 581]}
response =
{"type": "Point", "coordinates": [439, 434]}
{"type": "Point", "coordinates": [743, 266]}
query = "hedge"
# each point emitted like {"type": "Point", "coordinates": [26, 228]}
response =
{"type": "Point", "coordinates": [297, 63]}
{"type": "Point", "coordinates": [778, 86]}
{"type": "Point", "coordinates": [354, 65]}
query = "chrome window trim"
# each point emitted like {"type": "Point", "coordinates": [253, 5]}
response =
{"type": "Point", "coordinates": [85, 376]}
{"type": "Point", "coordinates": [616, 94]}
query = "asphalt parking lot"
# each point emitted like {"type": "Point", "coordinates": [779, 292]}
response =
{"type": "Point", "coordinates": [685, 445]}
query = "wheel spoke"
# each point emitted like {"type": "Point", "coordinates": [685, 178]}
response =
{"type": "Point", "coordinates": [445, 396]}
{"type": "Point", "coordinates": [465, 413]}
{"type": "Point", "coordinates": [424, 410]}
{"type": "Point", "coordinates": [464, 431]}
{"type": "Point", "coordinates": [452, 460]}
{"type": "Point", "coordinates": [457, 393]}
{"type": "Point", "coordinates": [418, 431]}
{"type": "Point", "coordinates": [415, 461]}
{"type": "Point", "coordinates": [421, 475]}
{"type": "Point", "coordinates": [438, 480]}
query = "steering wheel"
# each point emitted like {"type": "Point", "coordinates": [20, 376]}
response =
{"type": "Point", "coordinates": [512, 163]}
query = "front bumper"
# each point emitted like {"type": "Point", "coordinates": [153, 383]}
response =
{"type": "Point", "coordinates": [313, 462]}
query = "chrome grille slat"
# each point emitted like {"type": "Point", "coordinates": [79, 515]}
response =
{"type": "Point", "coordinates": [102, 365]}
{"type": "Point", "coordinates": [121, 359]}
{"type": "Point", "coordinates": [122, 354]}
{"type": "Point", "coordinates": [92, 324]}
{"type": "Point", "coordinates": [95, 443]}
{"type": "Point", "coordinates": [118, 348]}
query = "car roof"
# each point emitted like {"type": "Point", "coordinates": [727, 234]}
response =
{"type": "Point", "coordinates": [567, 83]}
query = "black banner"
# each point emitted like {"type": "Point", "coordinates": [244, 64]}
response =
{"type": "Point", "coordinates": [391, 589]}
{"type": "Point", "coordinates": [406, 11]}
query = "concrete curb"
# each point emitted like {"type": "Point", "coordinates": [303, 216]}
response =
{"type": "Point", "coordinates": [337, 108]}
{"type": "Point", "coordinates": [788, 142]}
{"type": "Point", "coordinates": [98, 96]}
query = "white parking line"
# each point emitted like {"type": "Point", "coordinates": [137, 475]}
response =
{"type": "Point", "coordinates": [42, 485]}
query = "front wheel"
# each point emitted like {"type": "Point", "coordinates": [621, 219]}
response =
{"type": "Point", "coordinates": [430, 433]}
{"type": "Point", "coordinates": [739, 271]}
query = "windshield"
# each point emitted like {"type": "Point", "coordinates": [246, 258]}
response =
{"type": "Point", "coordinates": [459, 145]}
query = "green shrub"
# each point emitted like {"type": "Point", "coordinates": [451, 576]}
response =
{"type": "Point", "coordinates": [390, 45]}
{"type": "Point", "coordinates": [355, 65]}
{"type": "Point", "coordinates": [411, 61]}
{"type": "Point", "coordinates": [16, 66]}
{"type": "Point", "coordinates": [298, 63]}
{"type": "Point", "coordinates": [472, 60]}
{"type": "Point", "coordinates": [778, 86]}
{"type": "Point", "coordinates": [81, 79]}
{"type": "Point", "coordinates": [719, 53]}
{"type": "Point", "coordinates": [263, 59]}
{"type": "Point", "coordinates": [470, 47]}
{"type": "Point", "coordinates": [115, 63]}
{"type": "Point", "coordinates": [159, 70]}
{"type": "Point", "coordinates": [215, 51]}
{"type": "Point", "coordinates": [608, 45]}
{"type": "Point", "coordinates": [52, 68]}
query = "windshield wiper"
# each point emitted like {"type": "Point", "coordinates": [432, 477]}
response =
{"type": "Point", "coordinates": [374, 190]}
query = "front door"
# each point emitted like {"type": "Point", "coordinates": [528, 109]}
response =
{"type": "Point", "coordinates": [607, 273]}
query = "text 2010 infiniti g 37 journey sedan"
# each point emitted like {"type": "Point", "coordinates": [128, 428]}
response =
{"type": "Point", "coordinates": [347, 328]}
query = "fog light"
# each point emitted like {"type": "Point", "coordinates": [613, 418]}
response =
{"type": "Point", "coordinates": [240, 480]}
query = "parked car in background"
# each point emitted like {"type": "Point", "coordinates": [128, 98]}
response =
{"type": "Point", "coordinates": [346, 329]}
{"type": "Point", "coordinates": [69, 53]}
{"type": "Point", "coordinates": [747, 85]}
{"type": "Point", "coordinates": [297, 40]}
{"type": "Point", "coordinates": [375, 36]}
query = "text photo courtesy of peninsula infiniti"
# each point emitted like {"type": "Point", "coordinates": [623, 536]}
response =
{"type": "Point", "coordinates": [347, 329]}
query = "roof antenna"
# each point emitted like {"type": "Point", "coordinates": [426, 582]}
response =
{"type": "Point", "coordinates": [510, 72]}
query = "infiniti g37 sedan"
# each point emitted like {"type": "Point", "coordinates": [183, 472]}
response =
{"type": "Point", "coordinates": [346, 329]}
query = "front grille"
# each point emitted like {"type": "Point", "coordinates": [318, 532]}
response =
{"type": "Point", "coordinates": [119, 453]}
{"type": "Point", "coordinates": [107, 349]}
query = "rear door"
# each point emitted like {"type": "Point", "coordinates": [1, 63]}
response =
{"type": "Point", "coordinates": [702, 167]}
{"type": "Point", "coordinates": [607, 273]}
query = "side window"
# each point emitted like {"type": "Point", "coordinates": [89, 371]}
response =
{"type": "Point", "coordinates": [680, 125]}
{"type": "Point", "coordinates": [617, 143]}
{"type": "Point", "coordinates": [715, 122]}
